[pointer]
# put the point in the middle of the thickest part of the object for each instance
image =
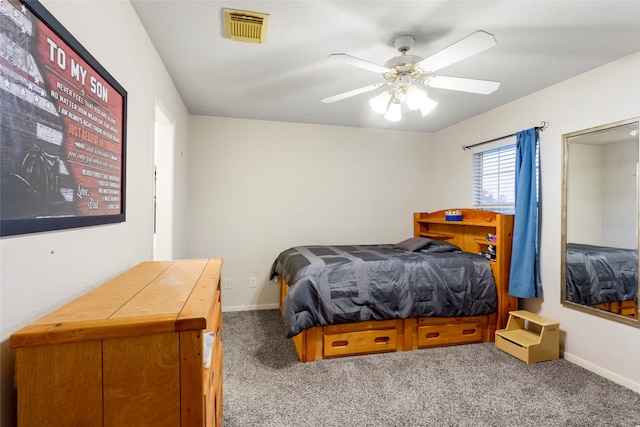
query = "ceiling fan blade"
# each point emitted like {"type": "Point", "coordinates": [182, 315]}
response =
{"type": "Point", "coordinates": [483, 87]}
{"type": "Point", "coordinates": [351, 93]}
{"type": "Point", "coordinates": [465, 48]}
{"type": "Point", "coordinates": [357, 62]}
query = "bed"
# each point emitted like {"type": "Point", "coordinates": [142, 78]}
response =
{"type": "Point", "coordinates": [360, 299]}
{"type": "Point", "coordinates": [603, 277]}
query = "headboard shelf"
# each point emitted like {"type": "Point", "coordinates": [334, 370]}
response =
{"type": "Point", "coordinates": [433, 235]}
{"type": "Point", "coordinates": [463, 222]}
{"type": "Point", "coordinates": [475, 217]}
{"type": "Point", "coordinates": [485, 242]}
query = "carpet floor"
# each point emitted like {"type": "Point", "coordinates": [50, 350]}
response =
{"type": "Point", "coordinates": [470, 385]}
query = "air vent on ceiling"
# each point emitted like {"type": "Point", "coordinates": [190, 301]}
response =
{"type": "Point", "coordinates": [244, 26]}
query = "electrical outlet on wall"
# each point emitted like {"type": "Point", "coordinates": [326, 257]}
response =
{"type": "Point", "coordinates": [252, 282]}
{"type": "Point", "coordinates": [227, 283]}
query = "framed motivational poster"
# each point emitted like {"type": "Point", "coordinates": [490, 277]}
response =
{"type": "Point", "coordinates": [62, 128]}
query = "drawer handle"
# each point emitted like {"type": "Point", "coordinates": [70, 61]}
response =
{"type": "Point", "coordinates": [468, 332]}
{"type": "Point", "coordinates": [432, 335]}
{"type": "Point", "coordinates": [381, 340]}
{"type": "Point", "coordinates": [341, 343]}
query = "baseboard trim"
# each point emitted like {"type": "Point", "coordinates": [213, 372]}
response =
{"type": "Point", "coordinates": [625, 382]}
{"type": "Point", "coordinates": [251, 307]}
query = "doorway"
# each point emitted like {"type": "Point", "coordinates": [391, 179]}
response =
{"type": "Point", "coordinates": [163, 187]}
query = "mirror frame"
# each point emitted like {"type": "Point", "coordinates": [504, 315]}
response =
{"type": "Point", "coordinates": [563, 263]}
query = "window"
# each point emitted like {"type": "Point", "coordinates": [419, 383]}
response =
{"type": "Point", "coordinates": [494, 177]}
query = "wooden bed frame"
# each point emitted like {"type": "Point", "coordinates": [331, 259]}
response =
{"type": "Point", "coordinates": [624, 308]}
{"type": "Point", "coordinates": [321, 342]}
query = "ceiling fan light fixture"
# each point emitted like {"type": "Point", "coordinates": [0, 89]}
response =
{"type": "Point", "coordinates": [415, 97]}
{"type": "Point", "coordinates": [380, 103]}
{"type": "Point", "coordinates": [394, 113]}
{"type": "Point", "coordinates": [409, 76]}
{"type": "Point", "coordinates": [427, 105]}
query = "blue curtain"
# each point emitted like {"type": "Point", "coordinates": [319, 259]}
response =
{"type": "Point", "coordinates": [524, 279]}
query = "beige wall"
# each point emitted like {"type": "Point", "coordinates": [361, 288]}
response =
{"type": "Point", "coordinates": [41, 272]}
{"type": "Point", "coordinates": [602, 188]}
{"type": "Point", "coordinates": [257, 188]}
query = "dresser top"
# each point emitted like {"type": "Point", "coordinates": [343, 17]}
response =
{"type": "Point", "coordinates": [152, 297]}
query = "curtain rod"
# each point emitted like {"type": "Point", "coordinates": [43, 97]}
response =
{"type": "Point", "coordinates": [543, 126]}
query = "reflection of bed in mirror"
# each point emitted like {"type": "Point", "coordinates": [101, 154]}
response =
{"type": "Point", "coordinates": [600, 221]}
{"type": "Point", "coordinates": [603, 277]}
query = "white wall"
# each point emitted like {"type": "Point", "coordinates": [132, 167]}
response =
{"type": "Point", "coordinates": [41, 272]}
{"type": "Point", "coordinates": [584, 194]}
{"type": "Point", "coordinates": [257, 188]}
{"type": "Point", "coordinates": [604, 95]}
{"type": "Point", "coordinates": [602, 194]}
{"type": "Point", "coordinates": [620, 200]}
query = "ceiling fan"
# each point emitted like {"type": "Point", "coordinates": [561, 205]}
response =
{"type": "Point", "coordinates": [410, 75]}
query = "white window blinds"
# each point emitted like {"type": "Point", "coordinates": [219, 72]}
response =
{"type": "Point", "coordinates": [494, 179]}
{"type": "Point", "coordinates": [494, 176]}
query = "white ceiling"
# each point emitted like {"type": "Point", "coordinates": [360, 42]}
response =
{"type": "Point", "coordinates": [540, 43]}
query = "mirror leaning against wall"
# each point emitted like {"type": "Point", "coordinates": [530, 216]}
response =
{"type": "Point", "coordinates": [600, 221]}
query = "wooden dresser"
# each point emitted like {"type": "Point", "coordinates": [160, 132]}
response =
{"type": "Point", "coordinates": [128, 353]}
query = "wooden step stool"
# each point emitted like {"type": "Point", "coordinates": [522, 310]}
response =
{"type": "Point", "coordinates": [529, 337]}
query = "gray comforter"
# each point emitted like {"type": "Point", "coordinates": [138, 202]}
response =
{"type": "Point", "coordinates": [597, 274]}
{"type": "Point", "coordinates": [343, 284]}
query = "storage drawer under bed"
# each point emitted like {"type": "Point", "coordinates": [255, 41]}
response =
{"type": "Point", "coordinates": [431, 335]}
{"type": "Point", "coordinates": [359, 342]}
{"type": "Point", "coordinates": [362, 338]}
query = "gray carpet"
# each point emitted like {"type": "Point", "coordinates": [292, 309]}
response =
{"type": "Point", "coordinates": [470, 385]}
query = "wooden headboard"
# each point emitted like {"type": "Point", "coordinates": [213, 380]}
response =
{"type": "Point", "coordinates": [470, 234]}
